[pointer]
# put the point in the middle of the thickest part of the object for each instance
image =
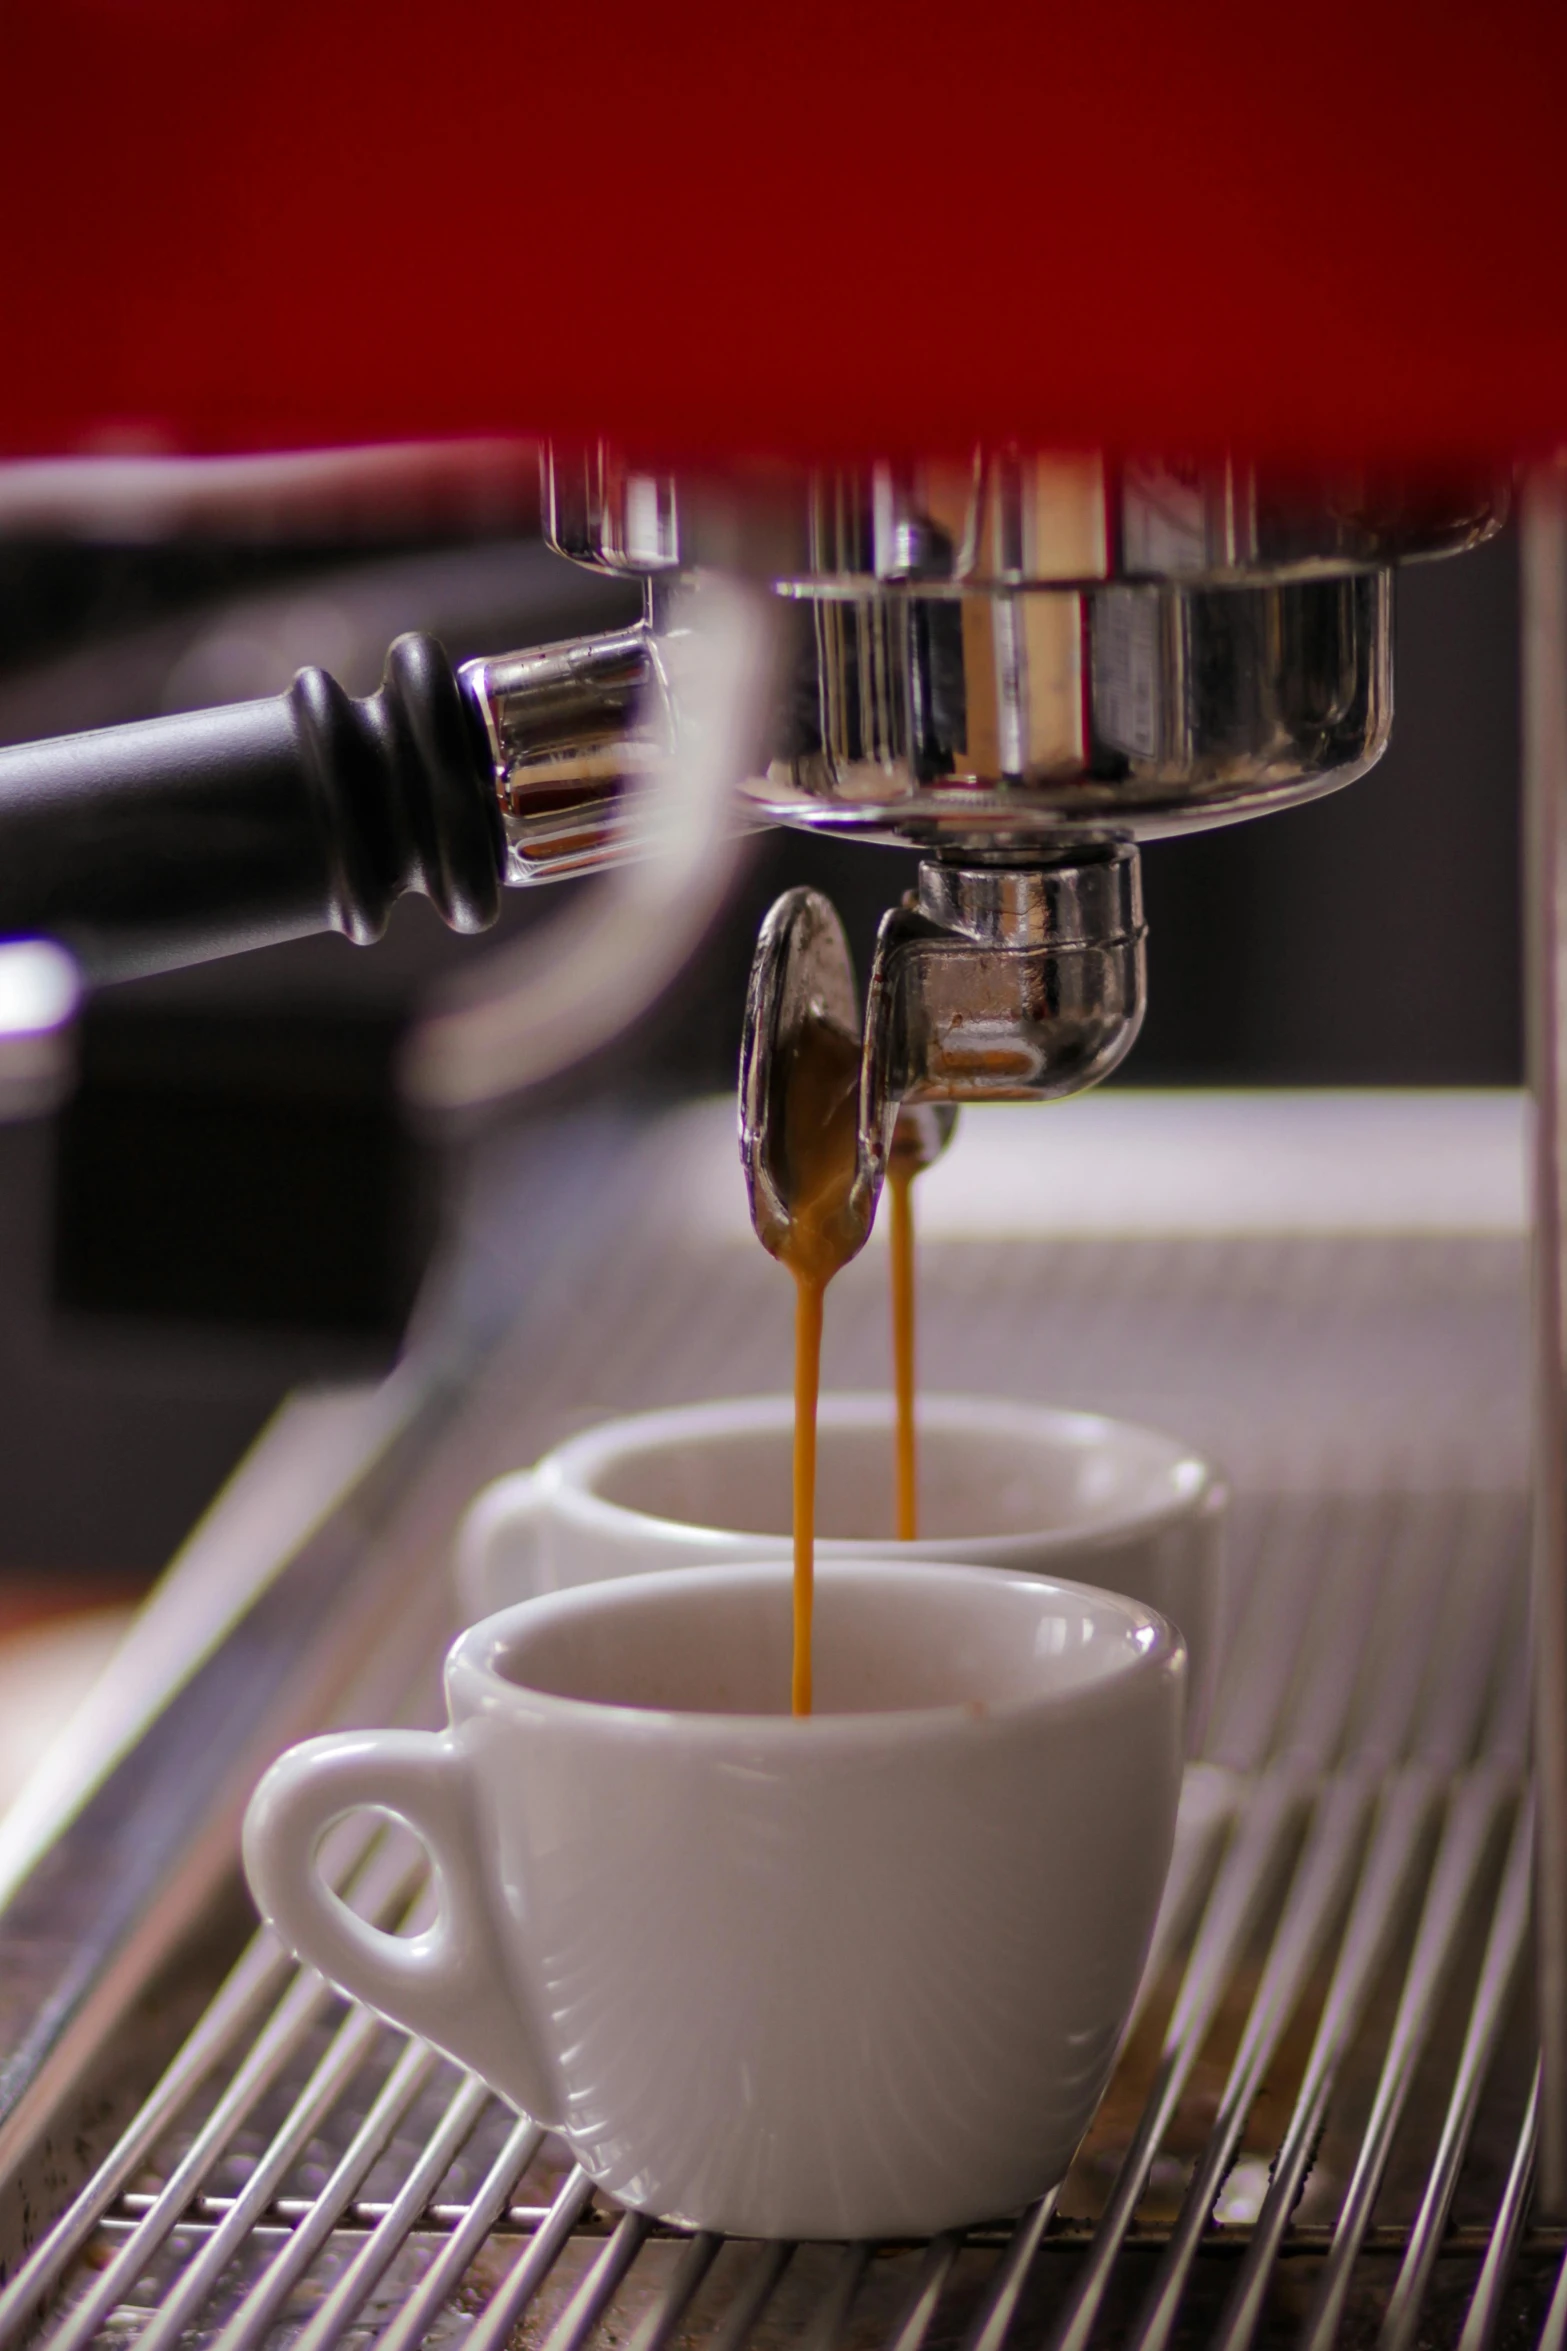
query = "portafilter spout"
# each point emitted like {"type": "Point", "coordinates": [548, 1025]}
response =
{"type": "Point", "coordinates": [991, 983]}
{"type": "Point", "coordinates": [1002, 982]}
{"type": "Point", "coordinates": [802, 977]}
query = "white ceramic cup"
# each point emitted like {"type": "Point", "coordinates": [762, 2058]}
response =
{"type": "Point", "coordinates": [857, 1975]}
{"type": "Point", "coordinates": [1022, 1487]}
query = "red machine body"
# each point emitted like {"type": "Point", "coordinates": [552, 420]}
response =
{"type": "Point", "coordinates": [1336, 232]}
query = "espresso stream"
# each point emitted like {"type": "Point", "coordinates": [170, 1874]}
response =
{"type": "Point", "coordinates": [821, 1127]}
{"type": "Point", "coordinates": [821, 1130]}
{"type": "Point", "coordinates": [900, 1176]}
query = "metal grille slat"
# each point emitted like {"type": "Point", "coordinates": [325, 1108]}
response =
{"type": "Point", "coordinates": [1403, 1643]}
{"type": "Point", "coordinates": [303, 2003]}
{"type": "Point", "coordinates": [1485, 2311]}
{"type": "Point", "coordinates": [582, 2313]}
{"type": "Point", "coordinates": [1499, 1970]}
{"type": "Point", "coordinates": [1346, 1604]}
{"type": "Point", "coordinates": [407, 2077]}
{"type": "Point", "coordinates": [1207, 1816]}
{"type": "Point", "coordinates": [285, 2215]}
{"type": "Point", "coordinates": [1320, 1886]}
{"type": "Point", "coordinates": [1470, 1703]}
{"type": "Point", "coordinates": [1276, 1612]}
{"type": "Point", "coordinates": [1254, 1859]}
{"type": "Point", "coordinates": [389, 1880]}
{"type": "Point", "coordinates": [1383, 1893]}
{"type": "Point", "coordinates": [382, 2246]}
{"type": "Point", "coordinates": [1473, 1812]}
{"type": "Point", "coordinates": [532, 2266]}
{"type": "Point", "coordinates": [455, 2258]}
{"type": "Point", "coordinates": [993, 2320]}
{"type": "Point", "coordinates": [654, 2329]}
{"type": "Point", "coordinates": [767, 2267]}
{"type": "Point", "coordinates": [929, 2286]}
{"type": "Point", "coordinates": [350, 2046]}
{"type": "Point", "coordinates": [826, 2330]}
{"type": "Point", "coordinates": [1553, 2335]}
{"type": "Point", "coordinates": [261, 1967]}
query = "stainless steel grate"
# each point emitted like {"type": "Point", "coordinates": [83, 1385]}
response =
{"type": "Point", "coordinates": [1322, 2126]}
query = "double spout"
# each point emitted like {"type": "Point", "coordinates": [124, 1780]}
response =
{"type": "Point", "coordinates": [990, 983]}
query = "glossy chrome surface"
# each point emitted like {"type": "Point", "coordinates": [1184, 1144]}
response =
{"type": "Point", "coordinates": [967, 722]}
{"type": "Point", "coordinates": [961, 721]}
{"type": "Point", "coordinates": [1007, 983]}
{"type": "Point", "coordinates": [997, 983]}
{"type": "Point", "coordinates": [1010, 906]}
{"type": "Point", "coordinates": [1003, 517]}
{"type": "Point", "coordinates": [570, 727]}
{"type": "Point", "coordinates": [541, 1004]}
{"type": "Point", "coordinates": [802, 976]}
{"type": "Point", "coordinates": [920, 1134]}
{"type": "Point", "coordinates": [1012, 650]}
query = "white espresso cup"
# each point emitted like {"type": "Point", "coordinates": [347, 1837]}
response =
{"type": "Point", "coordinates": [861, 1974]}
{"type": "Point", "coordinates": [1021, 1487]}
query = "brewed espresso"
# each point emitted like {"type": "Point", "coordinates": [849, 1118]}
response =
{"type": "Point", "coordinates": [900, 1177]}
{"type": "Point", "coordinates": [821, 1130]}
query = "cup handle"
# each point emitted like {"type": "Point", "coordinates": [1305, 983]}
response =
{"type": "Point", "coordinates": [508, 1510]}
{"type": "Point", "coordinates": [449, 1984]}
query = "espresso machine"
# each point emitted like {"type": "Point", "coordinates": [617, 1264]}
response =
{"type": "Point", "coordinates": [1023, 665]}
{"type": "Point", "coordinates": [1016, 427]}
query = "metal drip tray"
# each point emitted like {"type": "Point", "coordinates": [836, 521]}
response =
{"type": "Point", "coordinates": [1321, 2129]}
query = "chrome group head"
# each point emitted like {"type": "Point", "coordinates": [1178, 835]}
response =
{"type": "Point", "coordinates": [1023, 664]}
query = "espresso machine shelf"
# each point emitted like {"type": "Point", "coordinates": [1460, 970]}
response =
{"type": "Point", "coordinates": [1324, 2121]}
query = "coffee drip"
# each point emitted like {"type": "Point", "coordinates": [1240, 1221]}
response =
{"type": "Point", "coordinates": [900, 1236]}
{"type": "Point", "coordinates": [818, 1139]}
{"type": "Point", "coordinates": [821, 1099]}
{"type": "Point", "coordinates": [920, 1135]}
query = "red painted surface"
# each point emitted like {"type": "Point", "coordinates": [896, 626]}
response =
{"type": "Point", "coordinates": [803, 226]}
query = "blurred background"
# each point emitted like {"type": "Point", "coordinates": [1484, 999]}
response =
{"type": "Point", "coordinates": [230, 1204]}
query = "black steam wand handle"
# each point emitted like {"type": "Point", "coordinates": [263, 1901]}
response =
{"type": "Point", "coordinates": [145, 847]}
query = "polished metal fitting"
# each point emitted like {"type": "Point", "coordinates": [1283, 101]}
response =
{"type": "Point", "coordinates": [974, 722]}
{"type": "Point", "coordinates": [1008, 984]}
{"type": "Point", "coordinates": [1005, 517]}
{"type": "Point", "coordinates": [1084, 904]}
{"type": "Point", "coordinates": [987, 726]}
{"type": "Point", "coordinates": [990, 984]}
{"type": "Point", "coordinates": [1005, 656]}
{"type": "Point", "coordinates": [802, 976]}
{"type": "Point", "coordinates": [569, 728]}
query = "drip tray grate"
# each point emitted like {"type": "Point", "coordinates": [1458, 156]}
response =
{"type": "Point", "coordinates": [1322, 2127]}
